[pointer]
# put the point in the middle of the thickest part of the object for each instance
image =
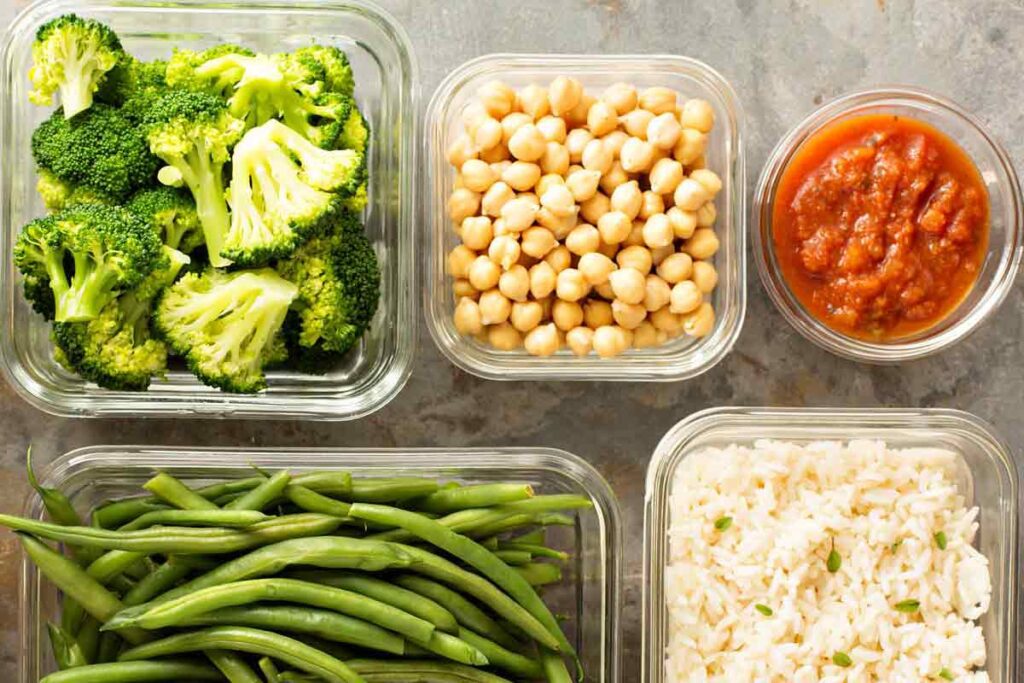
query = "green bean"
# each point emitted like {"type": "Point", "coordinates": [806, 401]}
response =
{"type": "Point", "coordinates": [174, 612]}
{"type": "Point", "coordinates": [109, 647]}
{"type": "Point", "coordinates": [476, 496]}
{"type": "Point", "coordinates": [60, 510]}
{"type": "Point", "coordinates": [66, 651]}
{"type": "Point", "coordinates": [262, 495]}
{"type": "Point", "coordinates": [513, 557]}
{"type": "Point", "coordinates": [253, 641]}
{"type": "Point", "coordinates": [140, 569]}
{"type": "Point", "coordinates": [466, 613]}
{"type": "Point", "coordinates": [136, 672]}
{"type": "Point", "coordinates": [311, 501]}
{"type": "Point", "coordinates": [491, 543]}
{"type": "Point", "coordinates": [503, 658]}
{"type": "Point", "coordinates": [235, 517]}
{"type": "Point", "coordinates": [118, 513]}
{"type": "Point", "coordinates": [88, 638]}
{"type": "Point", "coordinates": [166, 575]}
{"type": "Point", "coordinates": [455, 649]}
{"type": "Point", "coordinates": [326, 482]}
{"type": "Point", "coordinates": [221, 501]}
{"type": "Point", "coordinates": [396, 596]}
{"type": "Point", "coordinates": [270, 671]}
{"type": "Point", "coordinates": [181, 540]}
{"type": "Point", "coordinates": [308, 621]}
{"type": "Point", "coordinates": [169, 489]}
{"type": "Point", "coordinates": [296, 677]}
{"type": "Point", "coordinates": [555, 670]}
{"type": "Point", "coordinates": [121, 584]}
{"type": "Point", "coordinates": [390, 490]}
{"type": "Point", "coordinates": [389, 671]}
{"type": "Point", "coordinates": [535, 550]}
{"type": "Point", "coordinates": [71, 614]}
{"type": "Point", "coordinates": [555, 519]}
{"type": "Point", "coordinates": [539, 573]}
{"type": "Point", "coordinates": [473, 554]}
{"type": "Point", "coordinates": [112, 564]}
{"type": "Point", "coordinates": [234, 668]}
{"type": "Point", "coordinates": [534, 537]}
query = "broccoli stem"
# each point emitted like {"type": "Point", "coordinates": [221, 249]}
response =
{"type": "Point", "coordinates": [77, 89]}
{"type": "Point", "coordinates": [90, 291]}
{"type": "Point", "coordinates": [205, 180]}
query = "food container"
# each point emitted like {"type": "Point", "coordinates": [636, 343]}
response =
{"type": "Point", "coordinates": [385, 69]}
{"type": "Point", "coordinates": [589, 596]}
{"type": "Point", "coordinates": [1006, 221]}
{"type": "Point", "coordinates": [682, 357]}
{"type": "Point", "coordinates": [988, 480]}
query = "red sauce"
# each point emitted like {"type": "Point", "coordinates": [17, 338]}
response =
{"type": "Point", "coordinates": [880, 226]}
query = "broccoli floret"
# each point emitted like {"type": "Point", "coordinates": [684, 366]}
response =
{"type": "Point", "coordinates": [282, 191]}
{"type": "Point", "coordinates": [58, 194]}
{"type": "Point", "coordinates": [88, 254]}
{"type": "Point", "coordinates": [181, 69]}
{"type": "Point", "coordinates": [100, 149]}
{"type": "Point", "coordinates": [132, 78]}
{"type": "Point", "coordinates": [333, 64]}
{"type": "Point", "coordinates": [116, 350]}
{"type": "Point", "coordinates": [38, 293]}
{"type": "Point", "coordinates": [72, 55]}
{"type": "Point", "coordinates": [338, 277]}
{"type": "Point", "coordinates": [357, 202]}
{"type": "Point", "coordinates": [193, 132]}
{"type": "Point", "coordinates": [172, 213]}
{"type": "Point", "coordinates": [355, 133]}
{"type": "Point", "coordinates": [226, 325]}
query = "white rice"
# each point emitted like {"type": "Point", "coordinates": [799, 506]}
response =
{"type": "Point", "coordinates": [882, 508]}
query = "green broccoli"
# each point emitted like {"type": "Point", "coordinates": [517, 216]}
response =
{"type": "Point", "coordinates": [58, 194]}
{"type": "Point", "coordinates": [282, 191]}
{"type": "Point", "coordinates": [131, 79]}
{"type": "Point", "coordinates": [72, 55]}
{"type": "Point", "coordinates": [355, 133]}
{"type": "Point", "coordinates": [333, 67]}
{"type": "Point", "coordinates": [88, 254]}
{"type": "Point", "coordinates": [99, 149]}
{"type": "Point", "coordinates": [116, 350]}
{"type": "Point", "coordinates": [193, 132]}
{"type": "Point", "coordinates": [339, 278]}
{"type": "Point", "coordinates": [181, 69]}
{"type": "Point", "coordinates": [172, 213]}
{"type": "Point", "coordinates": [357, 202]}
{"type": "Point", "coordinates": [226, 325]}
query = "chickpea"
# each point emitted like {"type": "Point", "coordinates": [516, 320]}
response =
{"type": "Point", "coordinates": [636, 122]}
{"type": "Point", "coordinates": [462, 288]}
{"type": "Point", "coordinates": [628, 316]}
{"type": "Point", "coordinates": [519, 213]}
{"type": "Point", "coordinates": [685, 297]}
{"type": "Point", "coordinates": [500, 167]}
{"type": "Point", "coordinates": [614, 142]}
{"type": "Point", "coordinates": [580, 340]}
{"type": "Point", "coordinates": [596, 268]}
{"type": "Point", "coordinates": [659, 254]}
{"type": "Point", "coordinates": [542, 279]}
{"type": "Point", "coordinates": [609, 250]}
{"type": "Point", "coordinates": [699, 162]}
{"type": "Point", "coordinates": [560, 226]}
{"type": "Point", "coordinates": [495, 308]}
{"type": "Point", "coordinates": [614, 226]}
{"type": "Point", "coordinates": [610, 341]}
{"type": "Point", "coordinates": [559, 258]}
{"type": "Point", "coordinates": [628, 199]}
{"type": "Point", "coordinates": [458, 183]}
{"type": "Point", "coordinates": [511, 123]}
{"type": "Point", "coordinates": [636, 155]}
{"type": "Point", "coordinates": [658, 100]}
{"type": "Point", "coordinates": [666, 175]}
{"type": "Point", "coordinates": [576, 141]}
{"type": "Point", "coordinates": [461, 151]}
{"type": "Point", "coordinates": [636, 258]}
{"type": "Point", "coordinates": [594, 208]}
{"type": "Point", "coordinates": [503, 251]}
{"type": "Point", "coordinates": [564, 94]}
{"type": "Point", "coordinates": [504, 337]}
{"type": "Point", "coordinates": [652, 204]}
{"type": "Point", "coordinates": [484, 273]}
{"type": "Point", "coordinates": [706, 215]}
{"type": "Point", "coordinates": [526, 315]}
{"type": "Point", "coordinates": [645, 335]}
{"type": "Point", "coordinates": [657, 154]}
{"type": "Point", "coordinates": [527, 143]}
{"type": "Point", "coordinates": [497, 98]}
{"type": "Point", "coordinates": [462, 204]}
{"type": "Point", "coordinates": [657, 293]}
{"type": "Point", "coordinates": [559, 200]}
{"type": "Point", "coordinates": [546, 182]}
{"type": "Point", "coordinates": [709, 179]}
{"type": "Point", "coordinates": [571, 285]}
{"type": "Point", "coordinates": [683, 222]}
{"type": "Point", "coordinates": [495, 198]}
{"type": "Point", "coordinates": [597, 313]}
{"type": "Point", "coordinates": [621, 96]}
{"type": "Point", "coordinates": [664, 130]}
{"type": "Point", "coordinates": [545, 307]}
{"type": "Point", "coordinates": [690, 145]}
{"type": "Point", "coordinates": [577, 116]}
{"type": "Point", "coordinates": [477, 175]}
{"type": "Point", "coordinates": [605, 291]}
{"type": "Point", "coordinates": [702, 245]}
{"type": "Point", "coordinates": [514, 283]}
{"type": "Point", "coordinates": [614, 177]}
{"type": "Point", "coordinates": [459, 261]}
{"type": "Point", "coordinates": [472, 115]}
{"type": "Point", "coordinates": [690, 195]}
{"type": "Point", "coordinates": [596, 157]}
{"type": "Point", "coordinates": [566, 314]}
{"type": "Point", "coordinates": [658, 231]}
{"type": "Point", "coordinates": [499, 227]}
{"type": "Point", "coordinates": [705, 276]}
{"type": "Point", "coordinates": [533, 100]}
{"type": "Point", "coordinates": [521, 175]}
{"type": "Point", "coordinates": [555, 159]}
{"type": "Point", "coordinates": [636, 235]}
{"type": "Point", "coordinates": [602, 118]}
{"type": "Point", "coordinates": [542, 340]}
{"type": "Point", "coordinates": [476, 232]}
{"type": "Point", "coordinates": [487, 134]}
{"type": "Point", "coordinates": [537, 242]}
{"type": "Point", "coordinates": [584, 239]}
{"type": "Point", "coordinates": [700, 322]}
{"type": "Point", "coordinates": [676, 268]}
{"type": "Point", "coordinates": [583, 184]}
{"type": "Point", "coordinates": [628, 285]}
{"type": "Point", "coordinates": [552, 128]}
{"type": "Point", "coordinates": [698, 114]}
{"type": "Point", "coordinates": [495, 154]}
{"type": "Point", "coordinates": [467, 317]}
{"type": "Point", "coordinates": [664, 320]}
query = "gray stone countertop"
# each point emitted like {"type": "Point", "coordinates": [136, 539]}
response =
{"type": "Point", "coordinates": [783, 58]}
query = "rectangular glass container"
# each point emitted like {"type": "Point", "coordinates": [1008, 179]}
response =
{"type": "Point", "coordinates": [988, 480]}
{"type": "Point", "coordinates": [682, 357]}
{"type": "Point", "coordinates": [386, 88]}
{"type": "Point", "coordinates": [589, 596]}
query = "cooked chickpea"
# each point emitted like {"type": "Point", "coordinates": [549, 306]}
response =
{"type": "Point", "coordinates": [658, 100]}
{"type": "Point", "coordinates": [705, 276]}
{"type": "Point", "coordinates": [659, 254]}
{"type": "Point", "coordinates": [666, 175]}
{"type": "Point", "coordinates": [652, 204]}
{"type": "Point", "coordinates": [461, 151]}
{"type": "Point", "coordinates": [537, 242]}
{"type": "Point", "coordinates": [559, 200]}
{"type": "Point", "coordinates": [610, 341]}
{"type": "Point", "coordinates": [597, 313]}
{"type": "Point", "coordinates": [658, 231]}
{"type": "Point", "coordinates": [609, 250]}
{"type": "Point", "coordinates": [527, 143]}
{"type": "Point", "coordinates": [546, 182]}
{"type": "Point", "coordinates": [545, 307]}
{"type": "Point", "coordinates": [602, 118]}
{"type": "Point", "coordinates": [698, 114]}
{"type": "Point", "coordinates": [495, 198]}
{"type": "Point", "coordinates": [635, 257]}
{"type": "Point", "coordinates": [514, 283]}
{"type": "Point", "coordinates": [584, 239]}
{"type": "Point", "coordinates": [605, 291]}
{"type": "Point", "coordinates": [467, 318]}
{"type": "Point", "coordinates": [566, 314]}
{"type": "Point", "coordinates": [526, 315]}
{"type": "Point", "coordinates": [700, 322]}
{"type": "Point", "coordinates": [458, 183]}
{"type": "Point", "coordinates": [708, 178]}
{"type": "Point", "coordinates": [596, 157]}
{"type": "Point", "coordinates": [462, 288]}
{"type": "Point", "coordinates": [571, 285]}
{"type": "Point", "coordinates": [495, 154]}
{"type": "Point", "coordinates": [533, 100]}
{"type": "Point", "coordinates": [576, 141]}
{"type": "Point", "coordinates": [462, 204]}
{"type": "Point", "coordinates": [577, 116]}
{"type": "Point", "coordinates": [484, 273]}
{"type": "Point", "coordinates": [559, 225]}
{"type": "Point", "coordinates": [503, 251]}
{"type": "Point", "coordinates": [665, 320]}
{"type": "Point", "coordinates": [495, 308]}
{"type": "Point", "coordinates": [477, 232]}
{"type": "Point", "coordinates": [552, 128]}
{"type": "Point", "coordinates": [690, 195]}
{"type": "Point", "coordinates": [663, 131]}
{"type": "Point", "coordinates": [690, 146]}
{"type": "Point", "coordinates": [504, 337]}
{"type": "Point", "coordinates": [519, 213]}
{"type": "Point", "coordinates": [657, 293]}
{"type": "Point", "coordinates": [472, 115]}
{"type": "Point", "coordinates": [628, 316]}
{"type": "Point", "coordinates": [685, 297]}
{"type": "Point", "coordinates": [477, 175]}
{"type": "Point", "coordinates": [706, 215]}
{"type": "Point", "coordinates": [487, 134]}
{"type": "Point", "coordinates": [628, 285]}
{"type": "Point", "coordinates": [595, 268]}
{"type": "Point", "coordinates": [645, 335]}
{"type": "Point", "coordinates": [614, 226]}
{"type": "Point", "coordinates": [511, 123]}
{"type": "Point", "coordinates": [541, 341]}
{"type": "Point", "coordinates": [614, 141]}
{"type": "Point", "coordinates": [583, 184]}
{"type": "Point", "coordinates": [594, 208]}
{"type": "Point", "coordinates": [699, 162]}
{"type": "Point", "coordinates": [521, 175]}
{"type": "Point", "coordinates": [676, 268]}
{"type": "Point", "coordinates": [684, 223]}
{"type": "Point", "coordinates": [621, 96]}
{"type": "Point", "coordinates": [500, 167]}
{"type": "Point", "coordinates": [615, 176]}
{"type": "Point", "coordinates": [564, 94]}
{"type": "Point", "coordinates": [543, 279]}
{"type": "Point", "coordinates": [636, 235]}
{"type": "Point", "coordinates": [628, 199]}
{"type": "Point", "coordinates": [636, 155]}
{"type": "Point", "coordinates": [459, 261]}
{"type": "Point", "coordinates": [497, 98]}
{"type": "Point", "coordinates": [702, 245]}
{"type": "Point", "coordinates": [555, 159]}
{"type": "Point", "coordinates": [636, 122]}
{"type": "Point", "coordinates": [580, 340]}
{"type": "Point", "coordinates": [559, 258]}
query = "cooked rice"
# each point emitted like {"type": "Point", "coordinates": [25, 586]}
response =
{"type": "Point", "coordinates": [881, 507]}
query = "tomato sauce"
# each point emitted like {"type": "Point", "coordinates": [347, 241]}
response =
{"type": "Point", "coordinates": [880, 225]}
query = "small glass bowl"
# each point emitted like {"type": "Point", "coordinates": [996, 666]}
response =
{"type": "Point", "coordinates": [1006, 219]}
{"type": "Point", "coordinates": [682, 357]}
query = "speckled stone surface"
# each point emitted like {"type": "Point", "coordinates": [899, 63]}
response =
{"type": "Point", "coordinates": [783, 58]}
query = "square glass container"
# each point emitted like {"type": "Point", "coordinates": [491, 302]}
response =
{"type": "Point", "coordinates": [987, 479]}
{"type": "Point", "coordinates": [589, 596]}
{"type": "Point", "coordinates": [386, 89]}
{"type": "Point", "coordinates": [682, 357]}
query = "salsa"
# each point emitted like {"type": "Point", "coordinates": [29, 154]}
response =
{"type": "Point", "coordinates": [880, 225]}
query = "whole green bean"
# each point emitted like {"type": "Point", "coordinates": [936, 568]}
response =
{"type": "Point", "coordinates": [390, 671]}
{"type": "Point", "coordinates": [390, 490]}
{"type": "Point", "coordinates": [455, 649]}
{"type": "Point", "coordinates": [270, 671]}
{"type": "Point", "coordinates": [261, 496]}
{"type": "Point", "coordinates": [109, 648]}
{"type": "Point", "coordinates": [113, 514]}
{"type": "Point", "coordinates": [169, 489]}
{"type": "Point", "coordinates": [533, 537]}
{"type": "Point", "coordinates": [111, 564]}
{"type": "Point", "coordinates": [174, 612]}
{"type": "Point", "coordinates": [136, 672]}
{"type": "Point", "coordinates": [513, 557]}
{"type": "Point", "coordinates": [503, 658]}
{"type": "Point", "coordinates": [474, 496]}
{"type": "Point", "coordinates": [311, 501]}
{"type": "Point", "coordinates": [166, 575]}
{"type": "Point", "coordinates": [388, 593]}
{"type": "Point", "coordinates": [121, 584]}
{"type": "Point", "coordinates": [235, 518]}
{"type": "Point", "coordinates": [253, 641]}
{"type": "Point", "coordinates": [539, 573]}
{"type": "Point", "coordinates": [328, 482]}
{"type": "Point", "coordinates": [465, 612]}
{"type": "Point", "coordinates": [71, 614]}
{"type": "Point", "coordinates": [60, 510]}
{"type": "Point", "coordinates": [88, 638]}
{"type": "Point", "coordinates": [234, 668]}
{"type": "Point", "coordinates": [297, 677]}
{"type": "Point", "coordinates": [555, 670]}
{"type": "Point", "coordinates": [535, 550]}
{"type": "Point", "coordinates": [66, 651]}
